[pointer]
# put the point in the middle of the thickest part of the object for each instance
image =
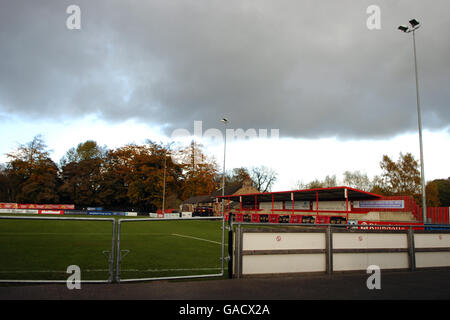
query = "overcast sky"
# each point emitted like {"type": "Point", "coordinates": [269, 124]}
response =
{"type": "Point", "coordinates": [311, 69]}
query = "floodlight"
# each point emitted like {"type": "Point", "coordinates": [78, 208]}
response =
{"type": "Point", "coordinates": [414, 23]}
{"type": "Point", "coordinates": [403, 28]}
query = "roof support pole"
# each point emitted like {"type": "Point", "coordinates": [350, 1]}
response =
{"type": "Point", "coordinates": [317, 203]}
{"type": "Point", "coordinates": [293, 202]}
{"type": "Point", "coordinates": [346, 202]}
{"type": "Point", "coordinates": [273, 204]}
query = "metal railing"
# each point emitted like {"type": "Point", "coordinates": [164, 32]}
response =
{"type": "Point", "coordinates": [110, 256]}
{"type": "Point", "coordinates": [116, 259]}
{"type": "Point", "coordinates": [120, 256]}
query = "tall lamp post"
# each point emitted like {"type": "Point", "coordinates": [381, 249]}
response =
{"type": "Point", "coordinates": [413, 26]}
{"type": "Point", "coordinates": [164, 184]}
{"type": "Point", "coordinates": [224, 121]}
{"type": "Point", "coordinates": [230, 231]}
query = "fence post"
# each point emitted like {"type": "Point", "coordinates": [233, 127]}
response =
{"type": "Point", "coordinates": [329, 246]}
{"type": "Point", "coordinates": [118, 253]}
{"type": "Point", "coordinates": [238, 251]}
{"type": "Point", "coordinates": [230, 245]}
{"type": "Point", "coordinates": [412, 251]}
{"type": "Point", "coordinates": [111, 261]}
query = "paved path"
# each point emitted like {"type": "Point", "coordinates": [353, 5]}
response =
{"type": "Point", "coordinates": [423, 285]}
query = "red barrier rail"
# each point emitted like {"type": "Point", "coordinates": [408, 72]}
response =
{"type": "Point", "coordinates": [438, 215]}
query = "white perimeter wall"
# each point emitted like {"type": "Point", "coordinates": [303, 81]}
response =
{"type": "Point", "coordinates": [432, 259]}
{"type": "Point", "coordinates": [296, 252]}
{"type": "Point", "coordinates": [283, 263]}
{"type": "Point", "coordinates": [360, 261]}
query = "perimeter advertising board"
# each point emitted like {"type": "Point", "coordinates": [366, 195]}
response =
{"type": "Point", "coordinates": [379, 204]}
{"type": "Point", "coordinates": [106, 213]}
{"type": "Point", "coordinates": [57, 212]}
{"type": "Point", "coordinates": [8, 205]}
{"type": "Point", "coordinates": [382, 225]}
{"type": "Point", "coordinates": [37, 206]}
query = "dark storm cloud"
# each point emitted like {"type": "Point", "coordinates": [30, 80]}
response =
{"type": "Point", "coordinates": [308, 68]}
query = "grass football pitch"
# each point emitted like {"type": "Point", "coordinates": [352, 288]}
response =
{"type": "Point", "coordinates": [43, 249]}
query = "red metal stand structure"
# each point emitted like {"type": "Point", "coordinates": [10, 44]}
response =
{"type": "Point", "coordinates": [249, 205]}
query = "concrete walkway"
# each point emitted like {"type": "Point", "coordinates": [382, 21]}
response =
{"type": "Point", "coordinates": [423, 285]}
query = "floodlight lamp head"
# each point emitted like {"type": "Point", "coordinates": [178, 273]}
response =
{"type": "Point", "coordinates": [224, 120]}
{"type": "Point", "coordinates": [403, 28]}
{"type": "Point", "coordinates": [414, 23]}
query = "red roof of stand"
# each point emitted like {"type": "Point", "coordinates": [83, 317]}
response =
{"type": "Point", "coordinates": [324, 194]}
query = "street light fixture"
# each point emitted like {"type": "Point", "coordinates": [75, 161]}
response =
{"type": "Point", "coordinates": [414, 25]}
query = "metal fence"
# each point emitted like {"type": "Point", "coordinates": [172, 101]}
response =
{"type": "Point", "coordinates": [109, 254]}
{"type": "Point", "coordinates": [115, 255]}
{"type": "Point", "coordinates": [121, 253]}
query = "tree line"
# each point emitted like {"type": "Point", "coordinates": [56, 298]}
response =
{"type": "Point", "coordinates": [398, 178]}
{"type": "Point", "coordinates": [131, 177]}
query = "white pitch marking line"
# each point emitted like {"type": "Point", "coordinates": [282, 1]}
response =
{"type": "Point", "coordinates": [181, 235]}
{"type": "Point", "coordinates": [181, 269]}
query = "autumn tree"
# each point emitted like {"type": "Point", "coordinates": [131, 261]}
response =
{"type": "Point", "coordinates": [87, 150]}
{"type": "Point", "coordinates": [199, 170]}
{"type": "Point", "coordinates": [432, 194]}
{"type": "Point", "coordinates": [32, 175]}
{"type": "Point", "coordinates": [443, 189]}
{"type": "Point", "coordinates": [134, 175]}
{"type": "Point", "coordinates": [379, 186]}
{"type": "Point", "coordinates": [4, 185]}
{"type": "Point", "coordinates": [31, 152]}
{"type": "Point", "coordinates": [235, 177]}
{"type": "Point", "coordinates": [357, 180]}
{"type": "Point", "coordinates": [401, 177]}
{"type": "Point", "coordinates": [81, 170]}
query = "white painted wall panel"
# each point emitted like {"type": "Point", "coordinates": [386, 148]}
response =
{"type": "Point", "coordinates": [268, 205]}
{"type": "Point", "coordinates": [331, 205]}
{"type": "Point", "coordinates": [432, 259]}
{"type": "Point", "coordinates": [360, 261]}
{"type": "Point", "coordinates": [300, 205]}
{"type": "Point", "coordinates": [369, 241]}
{"type": "Point", "coordinates": [422, 240]}
{"type": "Point", "coordinates": [283, 263]}
{"type": "Point", "coordinates": [283, 240]}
